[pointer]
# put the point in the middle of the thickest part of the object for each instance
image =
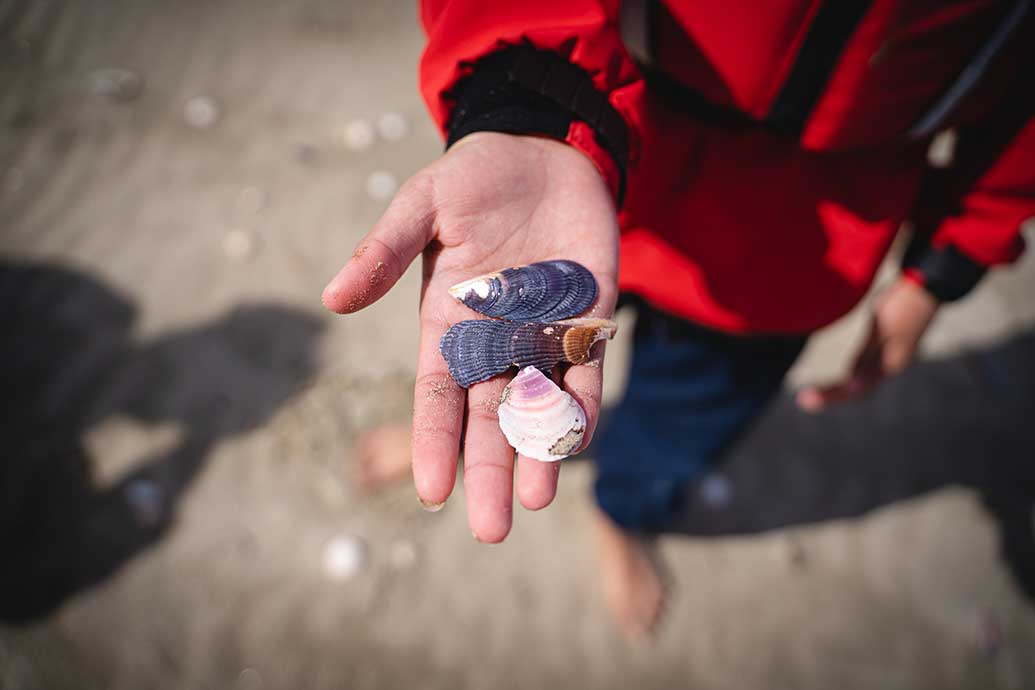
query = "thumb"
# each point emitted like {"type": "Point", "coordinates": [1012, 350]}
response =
{"type": "Point", "coordinates": [387, 250]}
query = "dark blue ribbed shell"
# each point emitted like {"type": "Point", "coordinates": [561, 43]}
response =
{"type": "Point", "coordinates": [544, 291]}
{"type": "Point", "coordinates": [478, 350]}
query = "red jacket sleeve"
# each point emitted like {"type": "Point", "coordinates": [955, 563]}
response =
{"type": "Point", "coordinates": [973, 216]}
{"type": "Point", "coordinates": [987, 225]}
{"type": "Point", "coordinates": [588, 86]}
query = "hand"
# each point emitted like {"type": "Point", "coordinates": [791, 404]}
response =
{"type": "Point", "coordinates": [492, 201]}
{"type": "Point", "coordinates": [900, 318]}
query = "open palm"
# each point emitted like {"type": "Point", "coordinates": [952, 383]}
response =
{"type": "Point", "coordinates": [493, 201]}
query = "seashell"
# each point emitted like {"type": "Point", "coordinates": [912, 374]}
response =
{"type": "Point", "coordinates": [344, 556]}
{"type": "Point", "coordinates": [542, 291]}
{"type": "Point", "coordinates": [539, 419]}
{"type": "Point", "coordinates": [478, 350]}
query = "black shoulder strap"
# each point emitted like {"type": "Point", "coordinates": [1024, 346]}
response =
{"type": "Point", "coordinates": [833, 25]}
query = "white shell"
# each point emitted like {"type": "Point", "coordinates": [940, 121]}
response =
{"type": "Point", "coordinates": [344, 556]}
{"type": "Point", "coordinates": [480, 287]}
{"type": "Point", "coordinates": [539, 419]}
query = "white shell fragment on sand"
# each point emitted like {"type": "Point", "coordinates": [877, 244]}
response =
{"type": "Point", "coordinates": [239, 245]}
{"type": "Point", "coordinates": [381, 185]}
{"type": "Point", "coordinates": [358, 135]}
{"type": "Point", "coordinates": [344, 557]}
{"type": "Point", "coordinates": [539, 419]}
{"type": "Point", "coordinates": [201, 112]}
{"type": "Point", "coordinates": [392, 126]}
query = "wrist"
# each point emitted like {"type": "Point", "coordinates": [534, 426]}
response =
{"type": "Point", "coordinates": [528, 92]}
{"type": "Point", "coordinates": [912, 282]}
{"type": "Point", "coordinates": [918, 294]}
{"type": "Point", "coordinates": [944, 272]}
{"type": "Point", "coordinates": [910, 305]}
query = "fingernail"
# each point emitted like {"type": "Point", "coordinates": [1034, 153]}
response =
{"type": "Point", "coordinates": [325, 299]}
{"type": "Point", "coordinates": [431, 507]}
{"type": "Point", "coordinates": [808, 400]}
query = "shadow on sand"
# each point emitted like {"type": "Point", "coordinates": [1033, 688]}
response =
{"type": "Point", "coordinates": [966, 420]}
{"type": "Point", "coordinates": [70, 361]}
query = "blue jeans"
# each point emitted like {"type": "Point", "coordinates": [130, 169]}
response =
{"type": "Point", "coordinates": [691, 392]}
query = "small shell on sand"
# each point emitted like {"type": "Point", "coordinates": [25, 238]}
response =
{"type": "Point", "coordinates": [344, 556]}
{"type": "Point", "coordinates": [381, 185]}
{"type": "Point", "coordinates": [201, 112]}
{"type": "Point", "coordinates": [540, 420]}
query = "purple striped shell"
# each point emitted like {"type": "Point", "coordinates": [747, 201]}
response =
{"type": "Point", "coordinates": [543, 291]}
{"type": "Point", "coordinates": [478, 350]}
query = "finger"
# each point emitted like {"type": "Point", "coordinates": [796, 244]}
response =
{"type": "Point", "coordinates": [865, 373]}
{"type": "Point", "coordinates": [438, 416]}
{"type": "Point", "coordinates": [818, 398]}
{"type": "Point", "coordinates": [387, 250]}
{"type": "Point", "coordinates": [536, 482]}
{"type": "Point", "coordinates": [488, 464]}
{"type": "Point", "coordinates": [896, 356]}
{"type": "Point", "coordinates": [585, 382]}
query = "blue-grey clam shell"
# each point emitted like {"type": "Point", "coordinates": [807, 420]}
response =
{"type": "Point", "coordinates": [543, 291]}
{"type": "Point", "coordinates": [478, 350]}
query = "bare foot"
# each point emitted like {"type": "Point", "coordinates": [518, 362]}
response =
{"type": "Point", "coordinates": [384, 456]}
{"type": "Point", "coordinates": [633, 588]}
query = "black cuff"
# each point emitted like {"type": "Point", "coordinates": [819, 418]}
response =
{"type": "Point", "coordinates": [521, 90]}
{"type": "Point", "coordinates": [948, 273]}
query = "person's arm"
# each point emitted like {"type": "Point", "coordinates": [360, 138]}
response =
{"type": "Point", "coordinates": [968, 219]}
{"type": "Point", "coordinates": [535, 98]}
{"type": "Point", "coordinates": [543, 68]}
{"type": "Point", "coordinates": [970, 215]}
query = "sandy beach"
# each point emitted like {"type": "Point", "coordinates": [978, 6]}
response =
{"type": "Point", "coordinates": [177, 183]}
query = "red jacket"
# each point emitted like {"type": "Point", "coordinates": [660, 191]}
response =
{"type": "Point", "coordinates": [765, 153]}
